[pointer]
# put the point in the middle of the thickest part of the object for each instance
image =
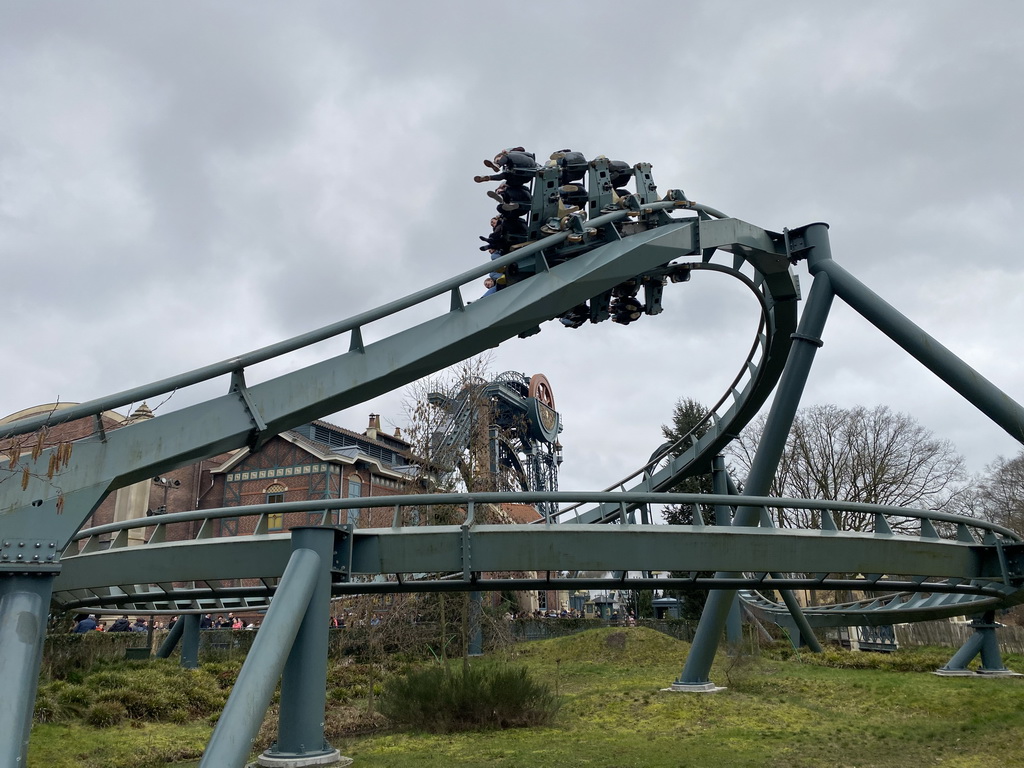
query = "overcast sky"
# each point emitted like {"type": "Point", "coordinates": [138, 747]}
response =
{"type": "Point", "coordinates": [183, 182]}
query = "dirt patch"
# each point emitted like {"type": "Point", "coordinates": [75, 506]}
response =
{"type": "Point", "coordinates": [616, 641]}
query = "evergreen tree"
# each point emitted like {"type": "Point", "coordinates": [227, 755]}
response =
{"type": "Point", "coordinates": [687, 425]}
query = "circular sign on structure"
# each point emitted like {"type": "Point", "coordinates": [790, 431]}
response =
{"type": "Point", "coordinates": [540, 388]}
{"type": "Point", "coordinates": [540, 405]}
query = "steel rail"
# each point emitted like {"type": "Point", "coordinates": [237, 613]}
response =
{"type": "Point", "coordinates": [528, 497]}
{"type": "Point", "coordinates": [951, 596]}
{"type": "Point", "coordinates": [354, 323]}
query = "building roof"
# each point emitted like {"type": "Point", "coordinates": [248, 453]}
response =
{"type": "Point", "coordinates": [388, 441]}
{"type": "Point", "coordinates": [521, 513]}
{"type": "Point", "coordinates": [348, 454]}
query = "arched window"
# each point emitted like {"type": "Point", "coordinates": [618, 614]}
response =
{"type": "Point", "coordinates": [275, 495]}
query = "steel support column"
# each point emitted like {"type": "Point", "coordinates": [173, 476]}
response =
{"type": "Point", "coordinates": [24, 605]}
{"type": "Point", "coordinates": [475, 646]}
{"type": "Point", "coordinates": [723, 516]}
{"type": "Point", "coordinates": [171, 641]}
{"type": "Point", "coordinates": [982, 642]}
{"type": "Point", "coordinates": [190, 640]}
{"type": "Point", "coordinates": [300, 732]}
{"type": "Point", "coordinates": [240, 721]}
{"type": "Point", "coordinates": [978, 390]}
{"type": "Point", "coordinates": [695, 672]}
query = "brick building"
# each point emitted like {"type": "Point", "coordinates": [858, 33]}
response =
{"type": "Point", "coordinates": [314, 461]}
{"type": "Point", "coordinates": [125, 503]}
{"type": "Point", "coordinates": [317, 460]}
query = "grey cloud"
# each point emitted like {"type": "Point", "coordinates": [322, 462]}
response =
{"type": "Point", "coordinates": [181, 183]}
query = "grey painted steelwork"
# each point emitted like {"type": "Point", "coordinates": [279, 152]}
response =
{"type": "Point", "coordinates": [239, 723]}
{"type": "Point", "coordinates": [300, 736]}
{"type": "Point", "coordinates": [723, 516]}
{"type": "Point", "coordinates": [40, 515]}
{"type": "Point", "coordinates": [976, 574]}
{"type": "Point", "coordinates": [982, 642]}
{"type": "Point", "coordinates": [190, 641]}
{"type": "Point", "coordinates": [24, 604]}
{"type": "Point", "coordinates": [974, 387]}
{"type": "Point", "coordinates": [573, 266]}
{"type": "Point", "coordinates": [148, 448]}
{"type": "Point", "coordinates": [763, 467]}
{"type": "Point", "coordinates": [171, 641]}
{"type": "Point", "coordinates": [776, 290]}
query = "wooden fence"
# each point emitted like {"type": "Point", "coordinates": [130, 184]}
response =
{"type": "Point", "coordinates": [953, 635]}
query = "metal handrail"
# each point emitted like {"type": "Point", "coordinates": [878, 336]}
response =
{"type": "Point", "coordinates": [240, 362]}
{"type": "Point", "coordinates": [464, 499]}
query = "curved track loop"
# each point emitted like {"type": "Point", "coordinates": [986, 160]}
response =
{"type": "Point", "coordinates": [948, 575]}
{"type": "Point", "coordinates": [741, 401]}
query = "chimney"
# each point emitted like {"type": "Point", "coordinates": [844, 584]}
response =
{"type": "Point", "coordinates": [374, 426]}
{"type": "Point", "coordinates": [398, 432]}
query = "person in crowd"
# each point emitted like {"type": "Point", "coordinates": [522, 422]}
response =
{"type": "Point", "coordinates": [121, 625]}
{"type": "Point", "coordinates": [206, 622]}
{"type": "Point", "coordinates": [88, 624]}
{"type": "Point", "coordinates": [139, 625]}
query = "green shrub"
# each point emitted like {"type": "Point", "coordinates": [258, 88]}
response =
{"type": "Point", "coordinates": [151, 691]}
{"type": "Point", "coordinates": [59, 701]}
{"type": "Point", "coordinates": [47, 709]}
{"type": "Point", "coordinates": [104, 714]}
{"type": "Point", "coordinates": [73, 696]}
{"type": "Point", "coordinates": [226, 672]}
{"type": "Point", "coordinates": [107, 679]}
{"type": "Point", "coordinates": [924, 659]}
{"type": "Point", "coordinates": [439, 700]}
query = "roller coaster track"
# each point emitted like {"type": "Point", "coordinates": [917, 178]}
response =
{"type": "Point", "coordinates": [949, 566]}
{"type": "Point", "coordinates": [759, 259]}
{"type": "Point", "coordinates": [940, 575]}
{"type": "Point", "coordinates": [692, 453]}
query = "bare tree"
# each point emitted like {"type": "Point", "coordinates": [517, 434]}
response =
{"type": "Point", "coordinates": [435, 408]}
{"type": "Point", "coordinates": [875, 456]}
{"type": "Point", "coordinates": [1001, 492]}
{"type": "Point", "coordinates": [14, 466]}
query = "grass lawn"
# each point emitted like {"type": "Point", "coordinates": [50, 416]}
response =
{"type": "Point", "coordinates": [791, 713]}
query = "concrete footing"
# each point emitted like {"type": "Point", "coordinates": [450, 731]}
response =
{"type": "Point", "coordinates": [333, 759]}
{"type": "Point", "coordinates": [976, 673]}
{"type": "Point", "coordinates": [694, 688]}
